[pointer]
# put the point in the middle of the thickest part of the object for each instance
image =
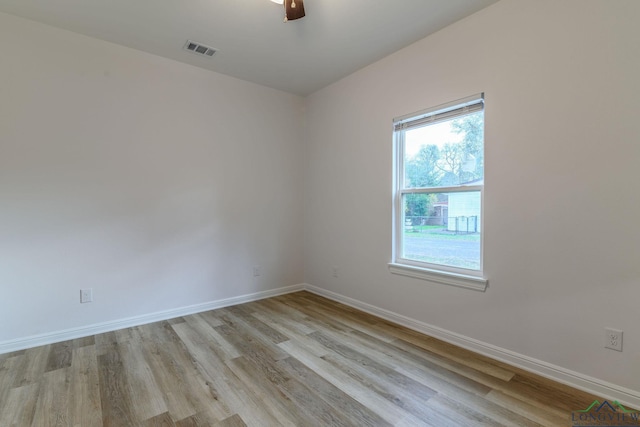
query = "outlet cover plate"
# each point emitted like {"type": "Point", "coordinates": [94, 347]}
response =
{"type": "Point", "coordinates": [86, 295]}
{"type": "Point", "coordinates": [613, 339]}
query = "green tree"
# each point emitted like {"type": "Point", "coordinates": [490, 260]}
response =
{"type": "Point", "coordinates": [453, 164]}
{"type": "Point", "coordinates": [471, 127]}
{"type": "Point", "coordinates": [450, 164]}
{"type": "Point", "coordinates": [419, 204]}
{"type": "Point", "coordinates": [421, 171]}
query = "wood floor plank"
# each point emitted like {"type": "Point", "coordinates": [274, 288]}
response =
{"type": "Point", "coordinates": [414, 405]}
{"type": "Point", "coordinates": [358, 413]}
{"type": "Point", "coordinates": [203, 420]}
{"type": "Point", "coordinates": [265, 390]}
{"type": "Point", "coordinates": [479, 407]}
{"type": "Point", "coordinates": [248, 345]}
{"type": "Point", "coordinates": [162, 420]}
{"type": "Point", "coordinates": [371, 326]}
{"type": "Point", "coordinates": [285, 314]}
{"type": "Point", "coordinates": [358, 391]}
{"type": "Point", "coordinates": [83, 342]}
{"type": "Point", "coordinates": [383, 373]}
{"type": "Point", "coordinates": [85, 407]}
{"type": "Point", "coordinates": [545, 416]}
{"type": "Point", "coordinates": [116, 403]}
{"type": "Point", "coordinates": [293, 333]}
{"type": "Point", "coordinates": [105, 342]}
{"type": "Point", "coordinates": [296, 360]}
{"type": "Point", "coordinates": [477, 362]}
{"type": "Point", "coordinates": [415, 366]}
{"type": "Point", "coordinates": [52, 407]}
{"type": "Point", "coordinates": [20, 406]}
{"type": "Point", "coordinates": [224, 388]}
{"type": "Point", "coordinates": [545, 392]}
{"type": "Point", "coordinates": [9, 370]}
{"type": "Point", "coordinates": [233, 421]}
{"type": "Point", "coordinates": [32, 367]}
{"type": "Point", "coordinates": [462, 415]}
{"type": "Point", "coordinates": [201, 330]}
{"type": "Point", "coordinates": [210, 318]}
{"type": "Point", "coordinates": [245, 338]}
{"type": "Point", "coordinates": [192, 421]}
{"type": "Point", "coordinates": [175, 320]}
{"type": "Point", "coordinates": [149, 401]}
{"type": "Point", "coordinates": [332, 316]}
{"type": "Point", "coordinates": [453, 366]}
{"type": "Point", "coordinates": [11, 354]}
{"type": "Point", "coordinates": [158, 332]}
{"type": "Point", "coordinates": [59, 356]}
{"type": "Point", "coordinates": [186, 392]}
{"type": "Point", "coordinates": [172, 380]}
{"type": "Point", "coordinates": [262, 327]}
{"type": "Point", "coordinates": [316, 409]}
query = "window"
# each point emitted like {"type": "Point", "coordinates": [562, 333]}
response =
{"type": "Point", "coordinates": [439, 183]}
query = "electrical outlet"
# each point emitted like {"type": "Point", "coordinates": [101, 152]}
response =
{"type": "Point", "coordinates": [334, 271]}
{"type": "Point", "coordinates": [86, 295]}
{"type": "Point", "coordinates": [613, 339]}
{"type": "Point", "coordinates": [256, 270]}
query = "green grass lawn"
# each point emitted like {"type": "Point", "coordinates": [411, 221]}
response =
{"type": "Point", "coordinates": [440, 233]}
{"type": "Point", "coordinates": [472, 264]}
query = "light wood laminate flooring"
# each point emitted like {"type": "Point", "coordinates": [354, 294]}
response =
{"type": "Point", "coordinates": [292, 360]}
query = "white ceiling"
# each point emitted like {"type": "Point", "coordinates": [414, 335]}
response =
{"type": "Point", "coordinates": [336, 38]}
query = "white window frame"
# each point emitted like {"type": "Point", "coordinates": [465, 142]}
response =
{"type": "Point", "coordinates": [436, 273]}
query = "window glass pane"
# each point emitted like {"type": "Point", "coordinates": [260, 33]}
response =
{"type": "Point", "coordinates": [442, 228]}
{"type": "Point", "coordinates": [445, 154]}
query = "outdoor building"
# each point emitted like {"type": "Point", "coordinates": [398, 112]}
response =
{"type": "Point", "coordinates": [465, 214]}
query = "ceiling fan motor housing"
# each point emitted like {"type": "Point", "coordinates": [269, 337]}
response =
{"type": "Point", "coordinates": [293, 9]}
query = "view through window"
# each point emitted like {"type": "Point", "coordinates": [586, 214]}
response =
{"type": "Point", "coordinates": [440, 179]}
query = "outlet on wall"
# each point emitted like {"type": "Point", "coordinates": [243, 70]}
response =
{"type": "Point", "coordinates": [256, 270]}
{"type": "Point", "coordinates": [86, 295]}
{"type": "Point", "coordinates": [334, 271]}
{"type": "Point", "coordinates": [613, 339]}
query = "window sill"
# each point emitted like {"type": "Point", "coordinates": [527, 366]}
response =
{"type": "Point", "coordinates": [440, 277]}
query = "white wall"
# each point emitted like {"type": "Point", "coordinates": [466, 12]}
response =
{"type": "Point", "coordinates": [562, 239]}
{"type": "Point", "coordinates": [155, 183]}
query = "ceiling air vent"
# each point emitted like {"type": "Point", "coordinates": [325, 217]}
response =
{"type": "Point", "coordinates": [199, 48]}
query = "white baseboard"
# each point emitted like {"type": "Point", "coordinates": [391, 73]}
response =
{"type": "Point", "coordinates": [98, 328]}
{"type": "Point", "coordinates": [604, 389]}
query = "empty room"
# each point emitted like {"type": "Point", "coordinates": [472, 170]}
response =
{"type": "Point", "coordinates": [319, 212]}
